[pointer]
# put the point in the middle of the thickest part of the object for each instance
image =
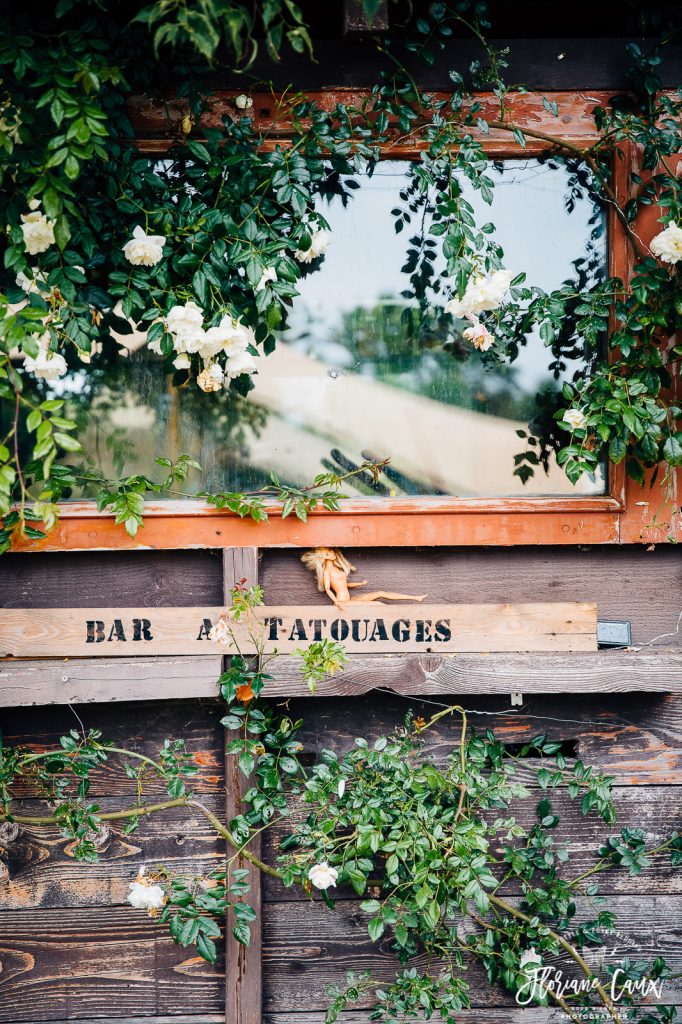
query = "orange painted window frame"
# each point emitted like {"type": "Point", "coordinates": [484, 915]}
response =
{"type": "Point", "coordinates": [628, 513]}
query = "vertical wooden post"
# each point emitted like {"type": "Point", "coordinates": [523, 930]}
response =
{"type": "Point", "coordinates": [243, 971]}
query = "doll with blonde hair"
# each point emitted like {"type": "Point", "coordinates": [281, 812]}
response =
{"type": "Point", "coordinates": [332, 569]}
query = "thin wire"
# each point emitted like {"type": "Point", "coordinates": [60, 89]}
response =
{"type": "Point", "coordinates": [510, 713]}
{"type": "Point", "coordinates": [661, 636]}
{"type": "Point", "coordinates": [71, 708]}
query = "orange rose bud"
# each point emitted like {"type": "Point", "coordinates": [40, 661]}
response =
{"type": "Point", "coordinates": [245, 693]}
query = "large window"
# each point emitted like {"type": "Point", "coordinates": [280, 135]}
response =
{"type": "Point", "coordinates": [361, 371]}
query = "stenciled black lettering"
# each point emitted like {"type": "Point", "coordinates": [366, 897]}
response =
{"type": "Point", "coordinates": [379, 631]}
{"type": "Point", "coordinates": [272, 624]}
{"type": "Point", "coordinates": [94, 631]}
{"type": "Point", "coordinates": [400, 630]}
{"type": "Point", "coordinates": [339, 629]}
{"type": "Point", "coordinates": [317, 625]}
{"type": "Point", "coordinates": [117, 630]}
{"type": "Point", "coordinates": [298, 631]}
{"type": "Point", "coordinates": [206, 627]}
{"type": "Point", "coordinates": [443, 631]}
{"type": "Point", "coordinates": [355, 630]}
{"type": "Point", "coordinates": [422, 631]}
{"type": "Point", "coordinates": [142, 629]}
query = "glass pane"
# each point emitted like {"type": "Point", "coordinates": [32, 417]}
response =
{"type": "Point", "coordinates": [347, 380]}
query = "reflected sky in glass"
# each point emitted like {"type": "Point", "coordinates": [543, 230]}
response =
{"type": "Point", "coordinates": [348, 381]}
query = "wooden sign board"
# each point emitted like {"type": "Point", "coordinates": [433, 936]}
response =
{"type": "Point", "coordinates": [367, 629]}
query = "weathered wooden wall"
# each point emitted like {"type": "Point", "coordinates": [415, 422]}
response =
{"type": "Point", "coordinates": [70, 947]}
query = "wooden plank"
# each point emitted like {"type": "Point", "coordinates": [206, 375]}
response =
{"type": "Point", "coordinates": [80, 579]}
{"type": "Point", "coordinates": [122, 632]}
{"type": "Point", "coordinates": [244, 966]}
{"type": "Point", "coordinates": [73, 963]}
{"type": "Point", "coordinates": [135, 726]}
{"type": "Point", "coordinates": [600, 672]}
{"type": "Point", "coordinates": [68, 963]}
{"type": "Point", "coordinates": [637, 739]}
{"type": "Point", "coordinates": [25, 683]}
{"type": "Point", "coordinates": [47, 876]}
{"type": "Point", "coordinates": [308, 947]}
{"type": "Point", "coordinates": [625, 583]}
{"type": "Point", "coordinates": [542, 63]}
{"type": "Point", "coordinates": [41, 682]}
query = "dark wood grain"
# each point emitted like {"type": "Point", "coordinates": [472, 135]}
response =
{"type": "Point", "coordinates": [180, 839]}
{"type": "Point", "coordinates": [80, 579]}
{"type": "Point", "coordinates": [637, 738]}
{"type": "Point", "coordinates": [87, 962]}
{"type": "Point", "coordinates": [244, 972]}
{"type": "Point", "coordinates": [81, 963]}
{"type": "Point", "coordinates": [626, 583]}
{"type": "Point", "coordinates": [183, 841]}
{"type": "Point", "coordinates": [307, 948]}
{"type": "Point", "coordinates": [135, 726]}
{"type": "Point", "coordinates": [656, 810]}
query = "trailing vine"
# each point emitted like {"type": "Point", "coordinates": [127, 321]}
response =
{"type": "Point", "coordinates": [434, 845]}
{"type": "Point", "coordinates": [202, 249]}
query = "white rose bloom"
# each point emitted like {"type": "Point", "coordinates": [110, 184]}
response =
{"type": "Point", "coordinates": [323, 876]}
{"type": "Point", "coordinates": [155, 346]}
{"type": "Point", "coordinates": [184, 321]}
{"type": "Point", "coordinates": [29, 284]}
{"type": "Point", "coordinates": [230, 336]}
{"type": "Point", "coordinates": [530, 960]}
{"type": "Point", "coordinates": [481, 294]}
{"type": "Point", "coordinates": [211, 378]}
{"type": "Point", "coordinates": [239, 363]}
{"type": "Point", "coordinates": [220, 633]}
{"type": "Point", "coordinates": [34, 204]}
{"type": "Point", "coordinates": [479, 336]}
{"type": "Point", "coordinates": [575, 419]}
{"type": "Point", "coordinates": [269, 274]}
{"type": "Point", "coordinates": [143, 896]}
{"type": "Point", "coordinates": [37, 229]}
{"type": "Point", "coordinates": [47, 364]}
{"type": "Point", "coordinates": [144, 250]}
{"type": "Point", "coordinates": [182, 362]}
{"type": "Point", "coordinates": [243, 102]}
{"type": "Point", "coordinates": [667, 245]}
{"type": "Point", "coordinates": [320, 241]}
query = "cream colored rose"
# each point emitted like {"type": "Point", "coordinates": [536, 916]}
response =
{"type": "Point", "coordinates": [144, 250]}
{"type": "Point", "coordinates": [667, 245]}
{"type": "Point", "coordinates": [211, 378]}
{"type": "Point", "coordinates": [230, 336]}
{"type": "Point", "coordinates": [47, 364]}
{"type": "Point", "coordinates": [323, 876]}
{"type": "Point", "coordinates": [243, 102]}
{"type": "Point", "coordinates": [575, 419]}
{"type": "Point", "coordinates": [481, 294]}
{"type": "Point", "coordinates": [320, 241]}
{"type": "Point", "coordinates": [239, 363]}
{"type": "Point", "coordinates": [479, 335]}
{"type": "Point", "coordinates": [184, 323]}
{"type": "Point", "coordinates": [38, 231]}
{"type": "Point", "coordinates": [269, 274]}
{"type": "Point", "coordinates": [144, 895]}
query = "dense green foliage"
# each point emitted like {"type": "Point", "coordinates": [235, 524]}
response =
{"type": "Point", "coordinates": [435, 843]}
{"type": "Point", "coordinates": [202, 250]}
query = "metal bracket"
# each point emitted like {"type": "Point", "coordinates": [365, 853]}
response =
{"type": "Point", "coordinates": [614, 633]}
{"type": "Point", "coordinates": [517, 700]}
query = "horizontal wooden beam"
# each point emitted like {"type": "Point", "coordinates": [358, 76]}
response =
{"type": "Point", "coordinates": [86, 681]}
{"type": "Point", "coordinates": [417, 674]}
{"type": "Point", "coordinates": [26, 683]}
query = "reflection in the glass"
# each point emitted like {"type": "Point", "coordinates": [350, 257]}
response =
{"type": "Point", "coordinates": [348, 381]}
